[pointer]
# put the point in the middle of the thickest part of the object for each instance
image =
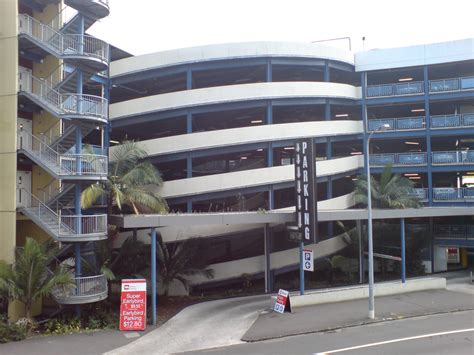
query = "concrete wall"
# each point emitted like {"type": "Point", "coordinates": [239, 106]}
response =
{"type": "Point", "coordinates": [232, 93]}
{"type": "Point", "coordinates": [246, 135]}
{"type": "Point", "coordinates": [426, 54]}
{"type": "Point", "coordinates": [254, 177]}
{"type": "Point", "coordinates": [360, 292]}
{"type": "Point", "coordinates": [8, 113]}
{"type": "Point", "coordinates": [225, 52]}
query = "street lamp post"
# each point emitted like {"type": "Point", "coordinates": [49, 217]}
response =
{"type": "Point", "coordinates": [369, 226]}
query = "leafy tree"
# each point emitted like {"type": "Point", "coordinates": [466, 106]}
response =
{"type": "Point", "coordinates": [29, 278]}
{"type": "Point", "coordinates": [129, 182]}
{"type": "Point", "coordinates": [177, 261]}
{"type": "Point", "coordinates": [391, 191]}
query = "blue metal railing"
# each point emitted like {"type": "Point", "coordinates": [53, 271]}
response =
{"type": "Point", "coordinates": [454, 84]}
{"type": "Point", "coordinates": [411, 88]}
{"type": "Point", "coordinates": [453, 231]}
{"type": "Point", "coordinates": [414, 123]}
{"type": "Point", "coordinates": [417, 87]}
{"type": "Point", "coordinates": [452, 157]}
{"type": "Point", "coordinates": [420, 193]}
{"type": "Point", "coordinates": [444, 194]}
{"type": "Point", "coordinates": [398, 159]}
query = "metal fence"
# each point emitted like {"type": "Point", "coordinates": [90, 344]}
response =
{"type": "Point", "coordinates": [419, 122]}
{"type": "Point", "coordinates": [417, 87]}
{"type": "Point", "coordinates": [85, 287]}
{"type": "Point", "coordinates": [398, 159]}
{"type": "Point", "coordinates": [63, 44]}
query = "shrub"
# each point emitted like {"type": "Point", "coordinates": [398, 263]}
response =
{"type": "Point", "coordinates": [62, 326]}
{"type": "Point", "coordinates": [11, 331]}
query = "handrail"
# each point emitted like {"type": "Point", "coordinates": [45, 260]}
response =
{"type": "Point", "coordinates": [68, 224]}
{"type": "Point", "coordinates": [452, 157]}
{"type": "Point", "coordinates": [66, 164]}
{"type": "Point", "coordinates": [66, 14]}
{"type": "Point", "coordinates": [85, 286]}
{"type": "Point", "coordinates": [63, 45]}
{"type": "Point", "coordinates": [418, 122]}
{"type": "Point", "coordinates": [399, 159]}
{"type": "Point", "coordinates": [65, 104]}
{"type": "Point", "coordinates": [417, 87]}
{"type": "Point", "coordinates": [453, 194]}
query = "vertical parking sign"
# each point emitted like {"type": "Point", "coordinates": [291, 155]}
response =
{"type": "Point", "coordinates": [308, 260]}
{"type": "Point", "coordinates": [305, 185]}
{"type": "Point", "coordinates": [133, 305]}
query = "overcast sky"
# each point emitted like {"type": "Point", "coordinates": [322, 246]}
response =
{"type": "Point", "coordinates": [144, 26]}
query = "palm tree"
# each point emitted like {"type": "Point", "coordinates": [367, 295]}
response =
{"type": "Point", "coordinates": [129, 182]}
{"type": "Point", "coordinates": [29, 278]}
{"type": "Point", "coordinates": [392, 191]}
{"type": "Point", "coordinates": [179, 260]}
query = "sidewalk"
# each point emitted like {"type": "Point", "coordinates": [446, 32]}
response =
{"type": "Point", "coordinates": [326, 317]}
{"type": "Point", "coordinates": [229, 321]}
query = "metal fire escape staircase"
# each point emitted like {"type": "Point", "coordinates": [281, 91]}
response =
{"type": "Point", "coordinates": [79, 114]}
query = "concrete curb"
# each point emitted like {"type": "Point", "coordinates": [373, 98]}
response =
{"type": "Point", "coordinates": [333, 295]}
{"type": "Point", "coordinates": [353, 325]}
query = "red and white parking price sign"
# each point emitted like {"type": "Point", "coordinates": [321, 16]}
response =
{"type": "Point", "coordinates": [282, 303]}
{"type": "Point", "coordinates": [133, 305]}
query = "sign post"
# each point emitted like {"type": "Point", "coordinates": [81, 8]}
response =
{"type": "Point", "coordinates": [306, 203]}
{"type": "Point", "coordinates": [133, 305]}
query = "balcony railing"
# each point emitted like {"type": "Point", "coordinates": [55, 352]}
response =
{"type": "Point", "coordinates": [397, 124]}
{"type": "Point", "coordinates": [417, 87]}
{"type": "Point", "coordinates": [420, 193]}
{"type": "Point", "coordinates": [419, 122]}
{"type": "Point", "coordinates": [64, 45]}
{"type": "Point", "coordinates": [398, 159]}
{"type": "Point", "coordinates": [62, 164]}
{"type": "Point", "coordinates": [458, 157]}
{"type": "Point", "coordinates": [455, 157]}
{"type": "Point", "coordinates": [86, 289]}
{"type": "Point", "coordinates": [453, 231]}
{"type": "Point", "coordinates": [454, 84]}
{"type": "Point", "coordinates": [80, 105]}
{"type": "Point", "coordinates": [442, 194]}
{"type": "Point", "coordinates": [411, 88]}
{"type": "Point", "coordinates": [445, 194]}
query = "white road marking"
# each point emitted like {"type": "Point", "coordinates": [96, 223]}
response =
{"type": "Point", "coordinates": [395, 341]}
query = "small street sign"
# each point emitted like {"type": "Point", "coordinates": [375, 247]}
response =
{"type": "Point", "coordinates": [283, 303]}
{"type": "Point", "coordinates": [133, 305]}
{"type": "Point", "coordinates": [308, 260]}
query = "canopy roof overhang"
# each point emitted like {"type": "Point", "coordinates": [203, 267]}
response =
{"type": "Point", "coordinates": [277, 217]}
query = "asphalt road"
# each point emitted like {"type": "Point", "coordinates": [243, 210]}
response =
{"type": "Point", "coordinates": [419, 335]}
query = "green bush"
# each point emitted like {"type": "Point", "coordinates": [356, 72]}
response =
{"type": "Point", "coordinates": [62, 326]}
{"type": "Point", "coordinates": [11, 331]}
